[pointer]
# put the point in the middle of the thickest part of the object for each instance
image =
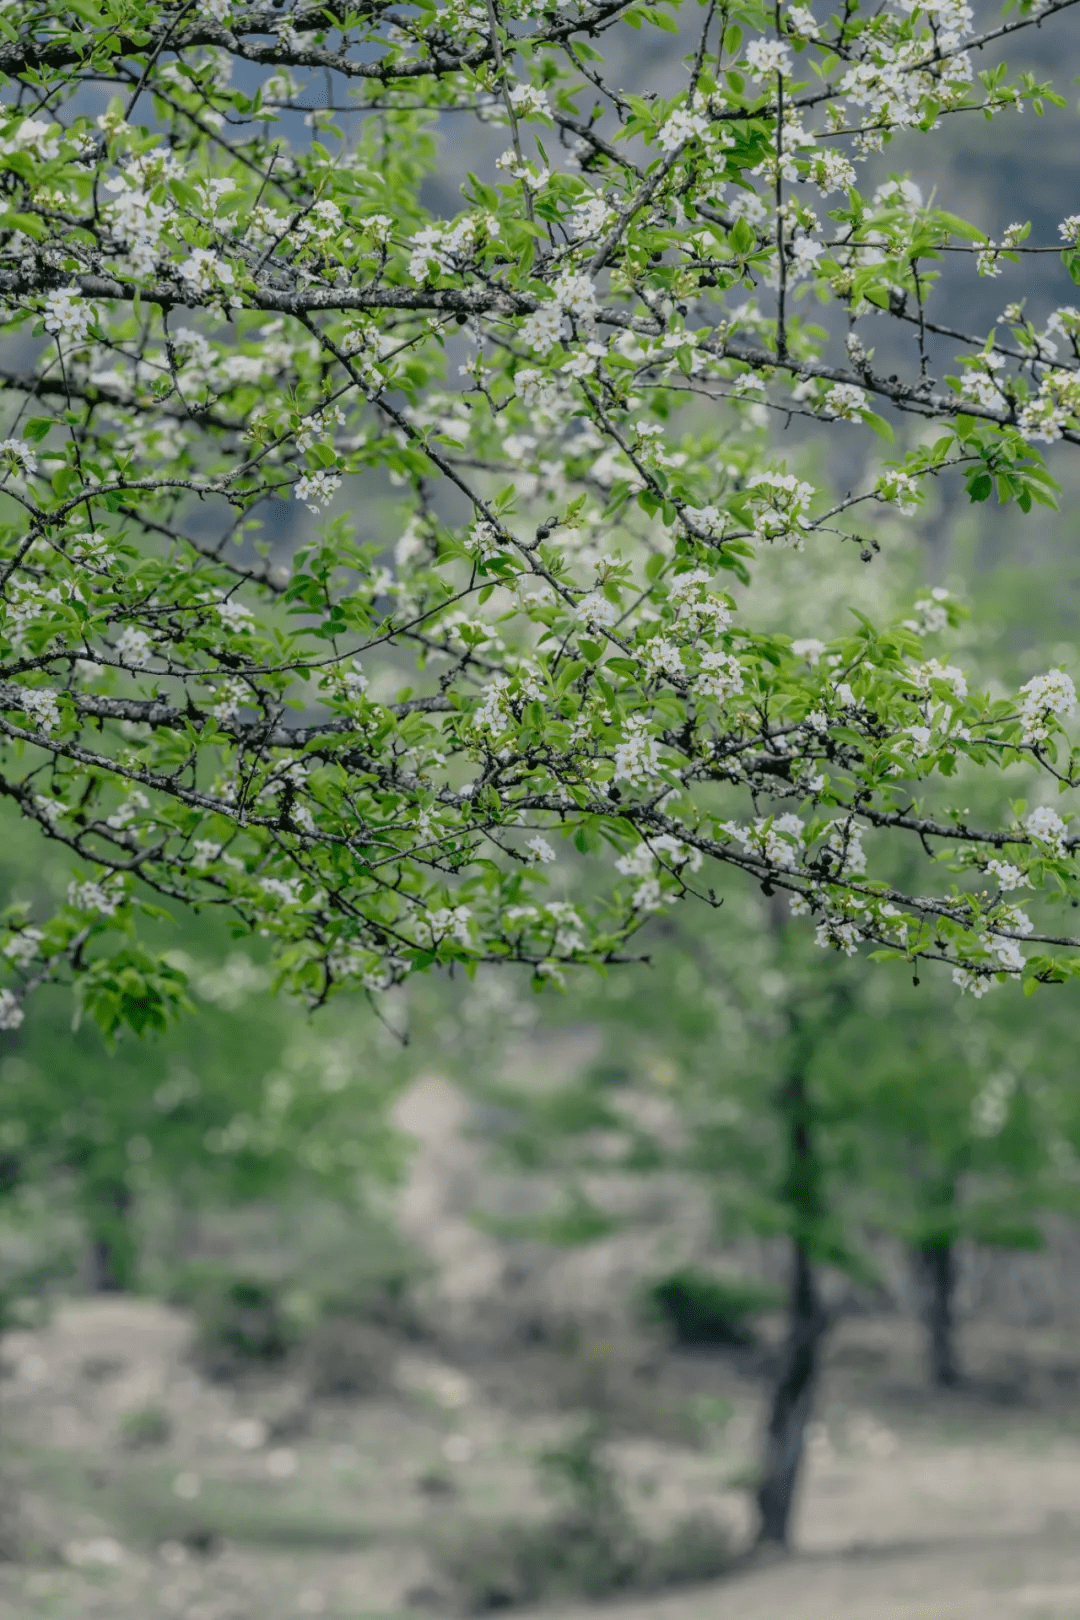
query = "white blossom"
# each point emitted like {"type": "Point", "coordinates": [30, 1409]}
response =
{"type": "Point", "coordinates": [133, 646]}
{"type": "Point", "coordinates": [1044, 696]}
{"type": "Point", "coordinates": [544, 328]}
{"type": "Point", "coordinates": [316, 489]}
{"type": "Point", "coordinates": [720, 676]}
{"type": "Point", "coordinates": [40, 703]}
{"type": "Point", "coordinates": [846, 401]}
{"type": "Point", "coordinates": [948, 674]}
{"type": "Point", "coordinates": [662, 657]}
{"type": "Point", "coordinates": [684, 124]}
{"type": "Point", "coordinates": [204, 271]}
{"type": "Point", "coordinates": [528, 102]}
{"type": "Point", "coordinates": [491, 714]}
{"type": "Point", "coordinates": [11, 1014]}
{"type": "Point", "coordinates": [19, 453]}
{"type": "Point", "coordinates": [1044, 824]}
{"type": "Point", "coordinates": [597, 609]}
{"type": "Point", "coordinates": [637, 758]}
{"type": "Point", "coordinates": [89, 896]}
{"type": "Point", "coordinates": [838, 934]}
{"type": "Point", "coordinates": [588, 217]}
{"type": "Point", "coordinates": [845, 844]}
{"type": "Point", "coordinates": [900, 489]}
{"type": "Point", "coordinates": [764, 57]}
{"type": "Point", "coordinates": [809, 648]}
{"type": "Point", "coordinates": [234, 615]}
{"type": "Point", "coordinates": [1008, 876]}
{"type": "Point", "coordinates": [69, 315]}
{"type": "Point", "coordinates": [22, 947]}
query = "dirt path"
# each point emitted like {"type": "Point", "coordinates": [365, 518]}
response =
{"type": "Point", "coordinates": [252, 1505]}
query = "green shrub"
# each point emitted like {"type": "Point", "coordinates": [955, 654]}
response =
{"type": "Point", "coordinates": [149, 1426]}
{"type": "Point", "coordinates": [591, 1548]}
{"type": "Point", "coordinates": [240, 1322]}
{"type": "Point", "coordinates": [699, 1309]}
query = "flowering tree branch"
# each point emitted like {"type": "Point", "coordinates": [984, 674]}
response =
{"type": "Point", "coordinates": [364, 751]}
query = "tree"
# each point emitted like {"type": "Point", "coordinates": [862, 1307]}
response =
{"type": "Point", "coordinates": [619, 297]}
{"type": "Point", "coordinates": [958, 1117]}
{"type": "Point", "coordinates": [818, 1104]}
{"type": "Point", "coordinates": [249, 1102]}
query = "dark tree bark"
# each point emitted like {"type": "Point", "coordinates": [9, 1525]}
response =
{"type": "Point", "coordinates": [795, 1388]}
{"type": "Point", "coordinates": [937, 1269]}
{"type": "Point", "coordinates": [792, 1403]}
{"type": "Point", "coordinates": [112, 1242]}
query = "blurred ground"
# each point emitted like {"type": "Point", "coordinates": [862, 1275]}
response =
{"type": "Point", "coordinates": [237, 1502]}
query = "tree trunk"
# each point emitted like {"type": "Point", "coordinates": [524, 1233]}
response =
{"type": "Point", "coordinates": [937, 1266]}
{"type": "Point", "coordinates": [792, 1403]}
{"type": "Point", "coordinates": [793, 1393]}
{"type": "Point", "coordinates": [112, 1242]}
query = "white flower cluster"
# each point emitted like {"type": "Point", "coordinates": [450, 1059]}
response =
{"type": "Point", "coordinates": [1008, 876]}
{"type": "Point", "coordinates": [32, 135]}
{"type": "Point", "coordinates": [572, 293]}
{"type": "Point", "coordinates": [234, 615]}
{"type": "Point", "coordinates": [539, 392]}
{"type": "Point", "coordinates": [779, 838]}
{"type": "Point", "coordinates": [721, 676]}
{"type": "Point", "coordinates": [447, 246]}
{"type": "Point", "coordinates": [899, 489]}
{"type": "Point", "coordinates": [801, 21]}
{"type": "Point", "coordinates": [11, 1014]}
{"type": "Point", "coordinates": [22, 947]}
{"type": "Point", "coordinates": [316, 489]}
{"type": "Point", "coordinates": [1045, 825]}
{"type": "Point", "coordinates": [662, 657]}
{"type": "Point", "coordinates": [698, 609]}
{"type": "Point", "coordinates": [637, 758]}
{"type": "Point", "coordinates": [1052, 694]}
{"type": "Point", "coordinates": [133, 646]}
{"type": "Point", "coordinates": [19, 456]}
{"type": "Point", "coordinates": [39, 702]}
{"type": "Point", "coordinates": [846, 401]}
{"type": "Point", "coordinates": [934, 615]}
{"type": "Point", "coordinates": [845, 844]}
{"type": "Point", "coordinates": [445, 922]}
{"type": "Point", "coordinates": [588, 217]}
{"type": "Point", "coordinates": [136, 220]}
{"type": "Point", "coordinates": [947, 674]}
{"type": "Point", "coordinates": [204, 271]}
{"type": "Point", "coordinates": [685, 124]}
{"type": "Point", "coordinates": [781, 506]}
{"type": "Point", "coordinates": [838, 933]}
{"type": "Point", "coordinates": [1048, 413]}
{"type": "Point", "coordinates": [831, 171]}
{"type": "Point", "coordinates": [89, 896]}
{"type": "Point", "coordinates": [597, 609]}
{"type": "Point", "coordinates": [980, 384]}
{"type": "Point", "coordinates": [528, 102]}
{"type": "Point", "coordinates": [491, 714]}
{"type": "Point", "coordinates": [484, 540]}
{"type": "Point", "coordinates": [69, 315]}
{"type": "Point", "coordinates": [766, 57]}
